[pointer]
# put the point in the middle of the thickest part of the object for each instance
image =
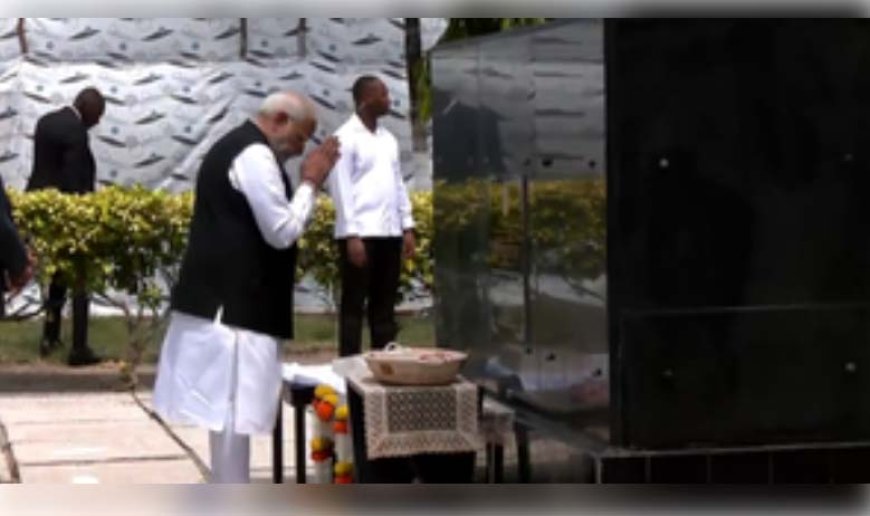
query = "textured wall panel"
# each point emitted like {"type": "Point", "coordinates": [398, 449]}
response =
{"type": "Point", "coordinates": [167, 101]}
{"type": "Point", "coordinates": [274, 38]}
{"type": "Point", "coordinates": [10, 47]}
{"type": "Point", "coordinates": [122, 41]}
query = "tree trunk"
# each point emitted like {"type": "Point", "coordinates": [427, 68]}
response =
{"type": "Point", "coordinates": [243, 38]}
{"type": "Point", "coordinates": [22, 37]}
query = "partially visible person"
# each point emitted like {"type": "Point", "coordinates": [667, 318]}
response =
{"type": "Point", "coordinates": [62, 159]}
{"type": "Point", "coordinates": [220, 364]}
{"type": "Point", "coordinates": [374, 226]}
{"type": "Point", "coordinates": [16, 262]}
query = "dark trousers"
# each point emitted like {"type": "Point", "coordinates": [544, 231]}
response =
{"type": "Point", "coordinates": [54, 306]}
{"type": "Point", "coordinates": [377, 283]}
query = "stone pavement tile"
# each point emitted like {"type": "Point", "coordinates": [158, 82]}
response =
{"type": "Point", "coordinates": [261, 446]}
{"type": "Point", "coordinates": [74, 441]}
{"type": "Point", "coordinates": [57, 408]}
{"type": "Point", "coordinates": [8, 470]}
{"type": "Point", "coordinates": [82, 437]}
{"type": "Point", "coordinates": [194, 437]}
{"type": "Point", "coordinates": [135, 472]}
{"type": "Point", "coordinates": [91, 438]}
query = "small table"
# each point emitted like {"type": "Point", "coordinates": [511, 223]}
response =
{"type": "Point", "coordinates": [403, 433]}
{"type": "Point", "coordinates": [495, 422]}
{"type": "Point", "coordinates": [299, 394]}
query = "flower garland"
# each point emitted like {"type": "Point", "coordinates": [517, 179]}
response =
{"type": "Point", "coordinates": [331, 446]}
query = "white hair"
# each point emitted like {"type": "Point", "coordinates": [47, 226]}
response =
{"type": "Point", "coordinates": [296, 106]}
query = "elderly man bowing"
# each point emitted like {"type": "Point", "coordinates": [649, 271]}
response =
{"type": "Point", "coordinates": [220, 362]}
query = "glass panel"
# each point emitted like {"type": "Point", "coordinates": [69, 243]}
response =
{"type": "Point", "coordinates": [520, 212]}
{"type": "Point", "coordinates": [507, 137]}
{"type": "Point", "coordinates": [461, 203]}
{"type": "Point", "coordinates": [567, 219]}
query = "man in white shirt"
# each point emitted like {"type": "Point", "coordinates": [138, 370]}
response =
{"type": "Point", "coordinates": [220, 362]}
{"type": "Point", "coordinates": [374, 225]}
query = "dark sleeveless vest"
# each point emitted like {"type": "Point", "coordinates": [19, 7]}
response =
{"type": "Point", "coordinates": [228, 263]}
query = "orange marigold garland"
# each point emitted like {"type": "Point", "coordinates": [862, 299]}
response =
{"type": "Point", "coordinates": [331, 447]}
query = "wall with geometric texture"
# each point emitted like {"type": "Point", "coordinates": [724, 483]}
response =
{"type": "Point", "coordinates": [175, 85]}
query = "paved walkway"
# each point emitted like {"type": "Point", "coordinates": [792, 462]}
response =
{"type": "Point", "coordinates": [61, 425]}
{"type": "Point", "coordinates": [110, 438]}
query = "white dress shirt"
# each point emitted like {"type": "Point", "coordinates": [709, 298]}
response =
{"type": "Point", "coordinates": [366, 184]}
{"type": "Point", "coordinates": [194, 382]}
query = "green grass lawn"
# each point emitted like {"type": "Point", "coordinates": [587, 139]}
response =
{"type": "Point", "coordinates": [19, 341]}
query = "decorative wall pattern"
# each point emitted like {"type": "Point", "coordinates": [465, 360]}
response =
{"type": "Point", "coordinates": [175, 85]}
{"type": "Point", "coordinates": [358, 41]}
{"type": "Point", "coordinates": [274, 38]}
{"type": "Point", "coordinates": [119, 41]}
{"type": "Point", "coordinates": [9, 44]}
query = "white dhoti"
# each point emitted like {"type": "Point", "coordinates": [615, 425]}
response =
{"type": "Point", "coordinates": [224, 379]}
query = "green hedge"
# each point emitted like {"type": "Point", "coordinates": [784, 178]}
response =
{"type": "Point", "coordinates": [122, 239]}
{"type": "Point", "coordinates": [126, 240]}
{"type": "Point", "coordinates": [122, 243]}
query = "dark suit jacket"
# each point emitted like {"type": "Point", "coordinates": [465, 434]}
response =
{"type": "Point", "coordinates": [62, 157]}
{"type": "Point", "coordinates": [13, 255]}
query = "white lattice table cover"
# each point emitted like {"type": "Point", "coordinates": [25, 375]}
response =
{"type": "Point", "coordinates": [405, 420]}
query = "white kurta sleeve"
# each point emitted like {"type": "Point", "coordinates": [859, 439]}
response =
{"type": "Point", "coordinates": [256, 175]}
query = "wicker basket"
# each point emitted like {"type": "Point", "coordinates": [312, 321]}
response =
{"type": "Point", "coordinates": [397, 365]}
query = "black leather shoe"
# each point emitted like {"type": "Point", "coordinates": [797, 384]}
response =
{"type": "Point", "coordinates": [47, 346]}
{"type": "Point", "coordinates": [83, 357]}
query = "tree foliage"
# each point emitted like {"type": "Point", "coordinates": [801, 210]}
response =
{"type": "Point", "coordinates": [122, 245]}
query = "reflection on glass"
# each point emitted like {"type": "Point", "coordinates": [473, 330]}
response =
{"type": "Point", "coordinates": [481, 231]}
{"type": "Point", "coordinates": [568, 288]}
{"type": "Point", "coordinates": [460, 219]}
{"type": "Point", "coordinates": [520, 203]}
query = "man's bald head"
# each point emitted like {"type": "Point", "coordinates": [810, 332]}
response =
{"type": "Point", "coordinates": [298, 107]}
{"type": "Point", "coordinates": [288, 119]}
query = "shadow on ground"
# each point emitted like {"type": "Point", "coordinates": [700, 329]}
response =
{"type": "Point", "coordinates": [39, 378]}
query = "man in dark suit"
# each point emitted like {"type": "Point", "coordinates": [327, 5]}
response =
{"type": "Point", "coordinates": [16, 264]}
{"type": "Point", "coordinates": [62, 159]}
